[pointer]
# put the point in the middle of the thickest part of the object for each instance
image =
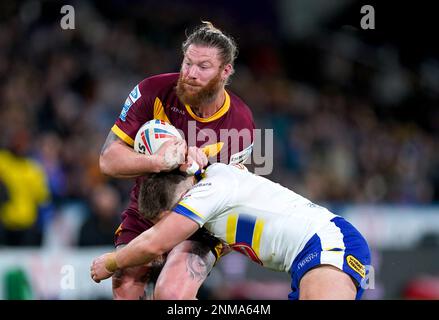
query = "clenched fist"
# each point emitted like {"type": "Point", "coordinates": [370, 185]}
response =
{"type": "Point", "coordinates": [103, 267]}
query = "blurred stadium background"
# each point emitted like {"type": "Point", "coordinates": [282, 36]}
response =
{"type": "Point", "coordinates": [355, 116]}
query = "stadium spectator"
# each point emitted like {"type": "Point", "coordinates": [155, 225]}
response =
{"type": "Point", "coordinates": [27, 193]}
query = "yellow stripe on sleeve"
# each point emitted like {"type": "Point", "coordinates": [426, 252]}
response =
{"type": "Point", "coordinates": [191, 209]}
{"type": "Point", "coordinates": [118, 132]}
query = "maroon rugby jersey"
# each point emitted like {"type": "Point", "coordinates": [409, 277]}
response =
{"type": "Point", "coordinates": [226, 136]}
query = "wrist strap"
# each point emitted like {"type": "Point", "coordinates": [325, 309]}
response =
{"type": "Point", "coordinates": [110, 262]}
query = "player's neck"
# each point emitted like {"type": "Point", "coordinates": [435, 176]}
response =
{"type": "Point", "coordinates": [209, 109]}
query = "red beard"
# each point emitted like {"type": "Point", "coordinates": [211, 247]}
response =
{"type": "Point", "coordinates": [198, 95]}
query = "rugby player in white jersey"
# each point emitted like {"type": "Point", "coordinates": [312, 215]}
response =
{"type": "Point", "coordinates": [275, 227]}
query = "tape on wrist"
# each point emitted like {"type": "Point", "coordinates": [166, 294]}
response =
{"type": "Point", "coordinates": [110, 263]}
{"type": "Point", "coordinates": [193, 169]}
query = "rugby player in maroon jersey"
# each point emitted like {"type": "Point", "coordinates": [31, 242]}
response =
{"type": "Point", "coordinates": [212, 118]}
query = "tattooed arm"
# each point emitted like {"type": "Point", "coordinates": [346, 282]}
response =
{"type": "Point", "coordinates": [187, 267]}
{"type": "Point", "coordinates": [161, 238]}
{"type": "Point", "coordinates": [119, 160]}
{"type": "Point", "coordinates": [187, 264]}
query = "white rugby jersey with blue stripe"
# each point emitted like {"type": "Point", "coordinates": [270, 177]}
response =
{"type": "Point", "coordinates": [255, 216]}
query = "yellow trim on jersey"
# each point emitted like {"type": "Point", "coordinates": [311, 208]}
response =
{"type": "Point", "coordinates": [257, 233]}
{"type": "Point", "coordinates": [159, 111]}
{"type": "Point", "coordinates": [232, 222]}
{"type": "Point", "coordinates": [191, 210]}
{"type": "Point", "coordinates": [212, 150]}
{"type": "Point", "coordinates": [118, 132]}
{"type": "Point", "coordinates": [225, 107]}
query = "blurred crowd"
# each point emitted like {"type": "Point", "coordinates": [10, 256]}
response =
{"type": "Point", "coordinates": [352, 123]}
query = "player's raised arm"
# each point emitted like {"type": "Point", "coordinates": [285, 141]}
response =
{"type": "Point", "coordinates": [119, 160]}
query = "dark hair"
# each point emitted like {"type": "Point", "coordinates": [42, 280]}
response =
{"type": "Point", "coordinates": [157, 193]}
{"type": "Point", "coordinates": [211, 37]}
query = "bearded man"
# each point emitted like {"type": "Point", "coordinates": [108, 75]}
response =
{"type": "Point", "coordinates": [217, 126]}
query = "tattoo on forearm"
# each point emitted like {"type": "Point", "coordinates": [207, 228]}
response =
{"type": "Point", "coordinates": [110, 139]}
{"type": "Point", "coordinates": [199, 262]}
{"type": "Point", "coordinates": [150, 278]}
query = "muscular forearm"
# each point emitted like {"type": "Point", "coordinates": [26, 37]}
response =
{"type": "Point", "coordinates": [120, 161]}
{"type": "Point", "coordinates": [161, 238]}
{"type": "Point", "coordinates": [138, 252]}
{"type": "Point", "coordinates": [154, 242]}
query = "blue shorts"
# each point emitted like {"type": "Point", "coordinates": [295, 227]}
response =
{"type": "Point", "coordinates": [338, 244]}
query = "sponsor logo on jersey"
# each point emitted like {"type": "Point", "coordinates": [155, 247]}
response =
{"type": "Point", "coordinates": [132, 98]}
{"type": "Point", "coordinates": [241, 156]}
{"type": "Point", "coordinates": [185, 197]}
{"type": "Point", "coordinates": [127, 105]}
{"type": "Point", "coordinates": [202, 184]}
{"type": "Point", "coordinates": [175, 109]}
{"type": "Point", "coordinates": [307, 260]}
{"type": "Point", "coordinates": [135, 94]}
{"type": "Point", "coordinates": [356, 265]}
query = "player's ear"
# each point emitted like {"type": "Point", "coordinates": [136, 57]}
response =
{"type": "Point", "coordinates": [227, 71]}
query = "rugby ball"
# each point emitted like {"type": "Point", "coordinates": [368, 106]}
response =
{"type": "Point", "coordinates": [152, 135]}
